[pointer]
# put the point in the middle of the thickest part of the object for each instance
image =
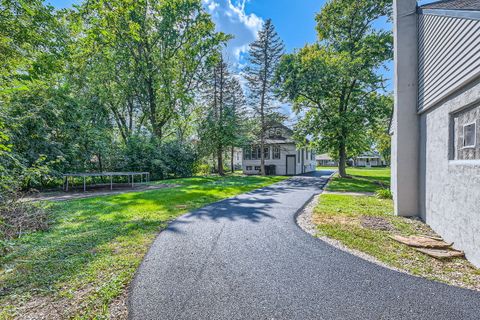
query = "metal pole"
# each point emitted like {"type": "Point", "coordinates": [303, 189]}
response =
{"type": "Point", "coordinates": [67, 185]}
{"type": "Point", "coordinates": [84, 185]}
{"type": "Point", "coordinates": [132, 180]}
{"type": "Point", "coordinates": [111, 182]}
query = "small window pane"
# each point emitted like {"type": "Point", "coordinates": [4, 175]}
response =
{"type": "Point", "coordinates": [247, 153]}
{"type": "Point", "coordinates": [469, 135]}
{"type": "Point", "coordinates": [266, 153]}
{"type": "Point", "coordinates": [276, 152]}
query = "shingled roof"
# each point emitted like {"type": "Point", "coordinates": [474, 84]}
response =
{"type": "Point", "coordinates": [454, 5]}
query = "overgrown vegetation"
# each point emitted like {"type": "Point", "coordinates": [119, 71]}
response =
{"type": "Point", "coordinates": [18, 219]}
{"type": "Point", "coordinates": [93, 247]}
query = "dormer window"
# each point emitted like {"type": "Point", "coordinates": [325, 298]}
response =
{"type": "Point", "coordinates": [275, 133]}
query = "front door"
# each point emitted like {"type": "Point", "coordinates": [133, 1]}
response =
{"type": "Point", "coordinates": [291, 165]}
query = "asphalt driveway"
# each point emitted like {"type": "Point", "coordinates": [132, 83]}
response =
{"type": "Point", "coordinates": [245, 258]}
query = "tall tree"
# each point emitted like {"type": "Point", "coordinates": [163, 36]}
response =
{"type": "Point", "coordinates": [155, 52]}
{"type": "Point", "coordinates": [236, 117]}
{"type": "Point", "coordinates": [220, 122]}
{"type": "Point", "coordinates": [263, 58]}
{"type": "Point", "coordinates": [335, 84]}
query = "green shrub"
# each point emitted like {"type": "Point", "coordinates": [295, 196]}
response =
{"type": "Point", "coordinates": [384, 194]}
{"type": "Point", "coordinates": [203, 169]}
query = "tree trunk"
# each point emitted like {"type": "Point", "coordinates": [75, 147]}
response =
{"type": "Point", "coordinates": [262, 157]}
{"type": "Point", "coordinates": [342, 163]}
{"type": "Point", "coordinates": [231, 160]}
{"type": "Point", "coordinates": [220, 162]}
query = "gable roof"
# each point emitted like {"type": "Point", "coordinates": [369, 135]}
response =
{"type": "Point", "coordinates": [454, 5]}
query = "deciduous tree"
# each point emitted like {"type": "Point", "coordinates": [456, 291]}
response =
{"type": "Point", "coordinates": [334, 84]}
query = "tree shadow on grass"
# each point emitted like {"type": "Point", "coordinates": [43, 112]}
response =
{"type": "Point", "coordinates": [95, 237]}
{"type": "Point", "coordinates": [86, 233]}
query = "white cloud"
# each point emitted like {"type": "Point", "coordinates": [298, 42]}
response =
{"type": "Point", "coordinates": [230, 17]}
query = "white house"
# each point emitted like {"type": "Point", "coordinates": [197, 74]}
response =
{"type": "Point", "coordinates": [324, 160]}
{"type": "Point", "coordinates": [237, 158]}
{"type": "Point", "coordinates": [281, 155]}
{"type": "Point", "coordinates": [436, 124]}
{"type": "Point", "coordinates": [368, 159]}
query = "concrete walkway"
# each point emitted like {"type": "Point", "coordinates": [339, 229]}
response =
{"type": "Point", "coordinates": [245, 258]}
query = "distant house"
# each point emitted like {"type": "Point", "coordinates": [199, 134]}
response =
{"type": "Point", "coordinates": [324, 160]}
{"type": "Point", "coordinates": [436, 123]}
{"type": "Point", "coordinates": [281, 155]}
{"type": "Point", "coordinates": [367, 159]}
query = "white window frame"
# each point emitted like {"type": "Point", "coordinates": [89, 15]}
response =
{"type": "Point", "coordinates": [274, 152]}
{"type": "Point", "coordinates": [474, 135]}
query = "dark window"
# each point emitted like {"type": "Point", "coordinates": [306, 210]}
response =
{"type": "Point", "coordinates": [266, 152]}
{"type": "Point", "coordinates": [275, 133]}
{"type": "Point", "coordinates": [256, 154]}
{"type": "Point", "coordinates": [249, 168]}
{"type": "Point", "coordinates": [298, 156]}
{"type": "Point", "coordinates": [247, 153]}
{"type": "Point", "coordinates": [276, 153]}
{"type": "Point", "coordinates": [257, 168]}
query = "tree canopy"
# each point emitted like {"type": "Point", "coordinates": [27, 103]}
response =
{"type": "Point", "coordinates": [334, 84]}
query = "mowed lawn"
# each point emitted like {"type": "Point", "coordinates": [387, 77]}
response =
{"type": "Point", "coordinates": [364, 223]}
{"type": "Point", "coordinates": [362, 180]}
{"type": "Point", "coordinates": [87, 258]}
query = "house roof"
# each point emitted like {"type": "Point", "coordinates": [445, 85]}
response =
{"type": "Point", "coordinates": [454, 5]}
{"type": "Point", "coordinates": [279, 141]}
{"type": "Point", "coordinates": [369, 154]}
{"type": "Point", "coordinates": [324, 156]}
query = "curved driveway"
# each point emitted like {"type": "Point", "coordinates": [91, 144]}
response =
{"type": "Point", "coordinates": [245, 258]}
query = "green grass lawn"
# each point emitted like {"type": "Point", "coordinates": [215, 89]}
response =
{"type": "Point", "coordinates": [89, 255]}
{"type": "Point", "coordinates": [364, 223]}
{"type": "Point", "coordinates": [362, 180]}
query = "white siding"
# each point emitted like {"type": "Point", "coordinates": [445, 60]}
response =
{"type": "Point", "coordinates": [281, 164]}
{"type": "Point", "coordinates": [449, 56]}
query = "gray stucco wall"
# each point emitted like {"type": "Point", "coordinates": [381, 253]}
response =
{"type": "Point", "coordinates": [437, 90]}
{"type": "Point", "coordinates": [450, 188]}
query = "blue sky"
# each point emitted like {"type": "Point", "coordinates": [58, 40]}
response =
{"type": "Point", "coordinates": [294, 20]}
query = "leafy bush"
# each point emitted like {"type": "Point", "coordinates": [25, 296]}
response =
{"type": "Point", "coordinates": [384, 194]}
{"type": "Point", "coordinates": [177, 160]}
{"type": "Point", "coordinates": [203, 169]}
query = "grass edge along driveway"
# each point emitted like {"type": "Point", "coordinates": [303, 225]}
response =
{"type": "Point", "coordinates": [364, 223]}
{"type": "Point", "coordinates": [87, 258]}
{"type": "Point", "coordinates": [362, 180]}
